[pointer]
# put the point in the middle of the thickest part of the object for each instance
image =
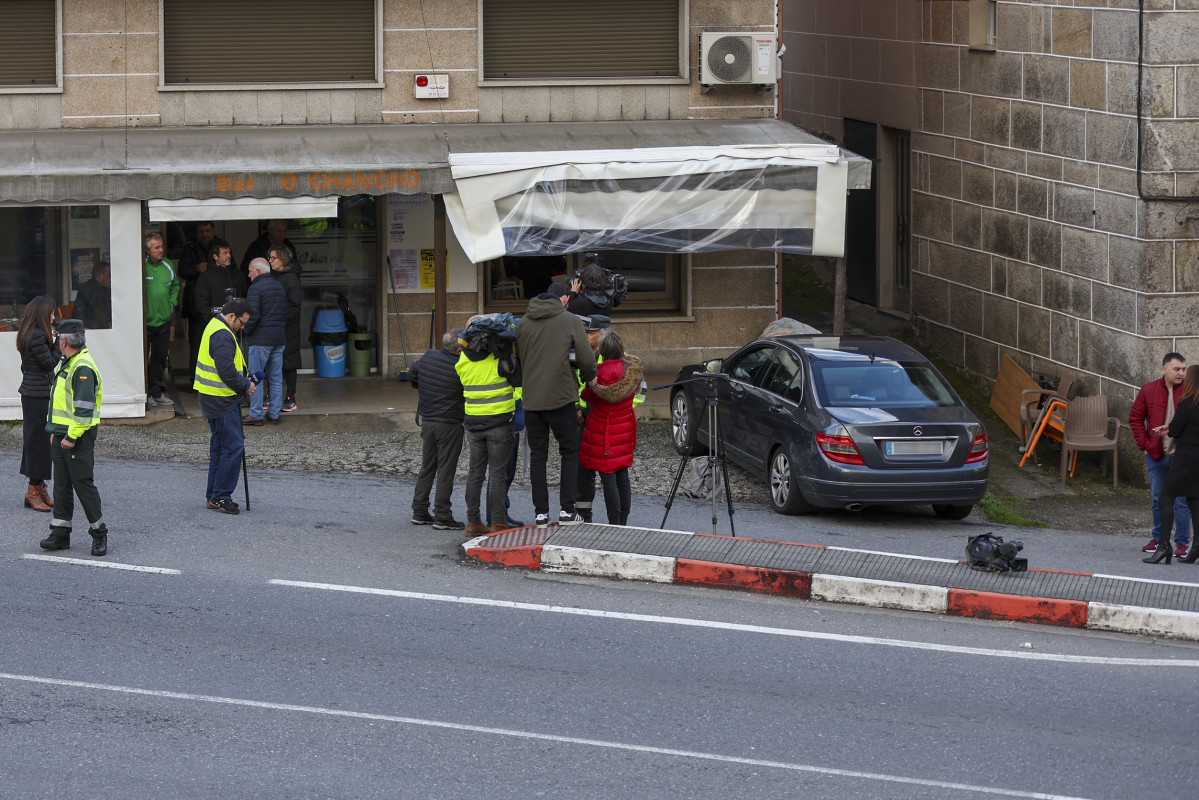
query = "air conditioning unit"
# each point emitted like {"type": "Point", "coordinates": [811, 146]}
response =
{"type": "Point", "coordinates": [738, 58]}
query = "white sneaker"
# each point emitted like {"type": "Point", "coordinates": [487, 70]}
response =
{"type": "Point", "coordinates": [569, 518]}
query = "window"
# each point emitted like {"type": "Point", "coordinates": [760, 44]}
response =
{"type": "Point", "coordinates": [785, 378]}
{"type": "Point", "coordinates": [880, 383]}
{"type": "Point", "coordinates": [207, 42]}
{"type": "Point", "coordinates": [982, 24]}
{"type": "Point", "coordinates": [28, 44]}
{"type": "Point", "coordinates": [749, 366]}
{"type": "Point", "coordinates": [582, 39]}
{"type": "Point", "coordinates": [654, 279]}
{"type": "Point", "coordinates": [49, 250]}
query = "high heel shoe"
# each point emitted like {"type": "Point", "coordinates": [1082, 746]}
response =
{"type": "Point", "coordinates": [1163, 551]}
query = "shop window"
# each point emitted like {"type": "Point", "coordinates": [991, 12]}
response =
{"type": "Point", "coordinates": [582, 39]}
{"type": "Point", "coordinates": [49, 250]}
{"type": "Point", "coordinates": [982, 24]}
{"type": "Point", "coordinates": [270, 42]}
{"type": "Point", "coordinates": [654, 279]}
{"type": "Point", "coordinates": [28, 44]}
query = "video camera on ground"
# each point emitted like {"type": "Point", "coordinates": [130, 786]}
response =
{"type": "Point", "coordinates": [990, 553]}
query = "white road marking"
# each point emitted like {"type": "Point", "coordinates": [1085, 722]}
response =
{"type": "Point", "coordinates": [893, 555]}
{"type": "Point", "coordinates": [87, 562]}
{"type": "Point", "coordinates": [1143, 580]}
{"type": "Point", "coordinates": [545, 737]}
{"type": "Point", "coordinates": [733, 626]}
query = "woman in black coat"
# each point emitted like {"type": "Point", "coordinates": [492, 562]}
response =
{"type": "Point", "coordinates": [286, 273]}
{"type": "Point", "coordinates": [39, 357]}
{"type": "Point", "coordinates": [1183, 478]}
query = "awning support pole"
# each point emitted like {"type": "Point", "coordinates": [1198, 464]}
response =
{"type": "Point", "coordinates": [440, 274]}
{"type": "Point", "coordinates": [840, 291]}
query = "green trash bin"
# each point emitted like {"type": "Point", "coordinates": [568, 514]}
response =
{"type": "Point", "coordinates": [358, 348]}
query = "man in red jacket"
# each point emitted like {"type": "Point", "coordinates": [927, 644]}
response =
{"type": "Point", "coordinates": [1153, 407]}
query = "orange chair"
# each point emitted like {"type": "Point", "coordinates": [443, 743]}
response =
{"type": "Point", "coordinates": [66, 311]}
{"type": "Point", "coordinates": [1051, 423]}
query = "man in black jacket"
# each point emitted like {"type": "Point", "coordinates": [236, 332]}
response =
{"type": "Point", "coordinates": [440, 409]}
{"type": "Point", "coordinates": [215, 280]}
{"type": "Point", "coordinates": [193, 262]}
{"type": "Point", "coordinates": [266, 335]}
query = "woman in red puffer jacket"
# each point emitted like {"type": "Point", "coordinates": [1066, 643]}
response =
{"type": "Point", "coordinates": [610, 436]}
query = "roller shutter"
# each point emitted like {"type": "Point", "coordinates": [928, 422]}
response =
{"type": "Point", "coordinates": [268, 41]}
{"type": "Point", "coordinates": [27, 43]}
{"type": "Point", "coordinates": [531, 39]}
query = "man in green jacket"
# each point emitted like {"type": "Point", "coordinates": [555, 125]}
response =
{"type": "Point", "coordinates": [162, 296]}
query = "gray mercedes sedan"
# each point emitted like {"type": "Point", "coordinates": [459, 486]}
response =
{"type": "Point", "coordinates": [836, 422]}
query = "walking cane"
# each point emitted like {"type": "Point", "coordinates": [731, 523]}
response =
{"type": "Point", "coordinates": [245, 473]}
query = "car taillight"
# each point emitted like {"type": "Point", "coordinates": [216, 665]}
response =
{"type": "Point", "coordinates": [980, 449]}
{"type": "Point", "coordinates": [839, 448]}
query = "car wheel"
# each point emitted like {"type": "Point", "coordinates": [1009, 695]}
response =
{"type": "Point", "coordinates": [682, 426]}
{"type": "Point", "coordinates": [785, 497]}
{"type": "Point", "coordinates": [951, 512]}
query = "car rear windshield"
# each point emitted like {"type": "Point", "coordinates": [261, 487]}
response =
{"type": "Point", "coordinates": [880, 383]}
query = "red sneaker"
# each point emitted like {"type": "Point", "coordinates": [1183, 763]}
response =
{"type": "Point", "coordinates": [1149, 548]}
{"type": "Point", "coordinates": [1180, 551]}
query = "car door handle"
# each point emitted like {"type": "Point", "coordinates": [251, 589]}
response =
{"type": "Point", "coordinates": [777, 410]}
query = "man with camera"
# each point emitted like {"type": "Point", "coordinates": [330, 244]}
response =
{"type": "Point", "coordinates": [595, 290]}
{"type": "Point", "coordinates": [221, 382]}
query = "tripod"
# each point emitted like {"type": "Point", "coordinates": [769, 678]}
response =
{"type": "Point", "coordinates": [715, 450]}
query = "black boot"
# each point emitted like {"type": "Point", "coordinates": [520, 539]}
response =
{"type": "Point", "coordinates": [99, 540]}
{"type": "Point", "coordinates": [59, 539]}
{"type": "Point", "coordinates": [1192, 553]}
{"type": "Point", "coordinates": [1163, 551]}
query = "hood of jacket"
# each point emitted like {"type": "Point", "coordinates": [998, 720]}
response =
{"type": "Point", "coordinates": [625, 386]}
{"type": "Point", "coordinates": [544, 309]}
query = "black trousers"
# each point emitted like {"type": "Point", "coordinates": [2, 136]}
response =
{"type": "Point", "coordinates": [586, 478]}
{"type": "Point", "coordinates": [73, 475]}
{"type": "Point", "coordinates": [35, 454]}
{"type": "Point", "coordinates": [159, 339]}
{"type": "Point", "coordinates": [564, 423]}
{"type": "Point", "coordinates": [441, 445]}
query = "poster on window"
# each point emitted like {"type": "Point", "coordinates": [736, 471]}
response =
{"type": "Point", "coordinates": [405, 268]}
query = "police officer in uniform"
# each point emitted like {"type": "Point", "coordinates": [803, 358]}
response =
{"type": "Point", "coordinates": [74, 414]}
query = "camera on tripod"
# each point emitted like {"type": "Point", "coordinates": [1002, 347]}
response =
{"type": "Point", "coordinates": [614, 286]}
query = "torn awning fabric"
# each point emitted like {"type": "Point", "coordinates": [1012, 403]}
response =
{"type": "Point", "coordinates": [784, 198]}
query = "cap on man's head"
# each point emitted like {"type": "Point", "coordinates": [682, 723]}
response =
{"type": "Point", "coordinates": [70, 326]}
{"type": "Point", "coordinates": [597, 322]}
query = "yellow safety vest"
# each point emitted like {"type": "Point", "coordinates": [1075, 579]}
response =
{"type": "Point", "coordinates": [64, 408]}
{"type": "Point", "coordinates": [208, 380]}
{"type": "Point", "coordinates": [487, 393]}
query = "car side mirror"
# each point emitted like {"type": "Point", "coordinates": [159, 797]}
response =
{"type": "Point", "coordinates": [714, 365]}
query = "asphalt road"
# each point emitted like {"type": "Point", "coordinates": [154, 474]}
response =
{"type": "Point", "coordinates": [320, 646]}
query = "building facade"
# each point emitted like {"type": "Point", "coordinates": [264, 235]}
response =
{"type": "Point", "coordinates": [119, 117]}
{"type": "Point", "coordinates": [1036, 174]}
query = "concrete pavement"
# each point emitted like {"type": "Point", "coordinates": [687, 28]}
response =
{"type": "Point", "coordinates": [847, 575]}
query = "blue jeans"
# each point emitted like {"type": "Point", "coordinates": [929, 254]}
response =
{"type": "Point", "coordinates": [269, 359]}
{"type": "Point", "coordinates": [1182, 512]}
{"type": "Point", "coordinates": [225, 450]}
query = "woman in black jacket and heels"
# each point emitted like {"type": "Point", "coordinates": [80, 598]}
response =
{"type": "Point", "coordinates": [39, 357]}
{"type": "Point", "coordinates": [1183, 478]}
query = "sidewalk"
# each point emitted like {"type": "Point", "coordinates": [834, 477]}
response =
{"type": "Point", "coordinates": [844, 575]}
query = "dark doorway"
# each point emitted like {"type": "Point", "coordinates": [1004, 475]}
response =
{"type": "Point", "coordinates": [861, 218]}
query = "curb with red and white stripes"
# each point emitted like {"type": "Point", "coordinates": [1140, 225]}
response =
{"type": "Point", "coordinates": [842, 589]}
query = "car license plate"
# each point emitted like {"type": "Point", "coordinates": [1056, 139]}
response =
{"type": "Point", "coordinates": [910, 448]}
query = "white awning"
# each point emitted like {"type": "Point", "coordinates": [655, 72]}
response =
{"type": "Point", "coordinates": [190, 209]}
{"type": "Point", "coordinates": [726, 196]}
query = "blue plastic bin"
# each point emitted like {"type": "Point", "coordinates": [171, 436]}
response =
{"type": "Point", "coordinates": [330, 348]}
